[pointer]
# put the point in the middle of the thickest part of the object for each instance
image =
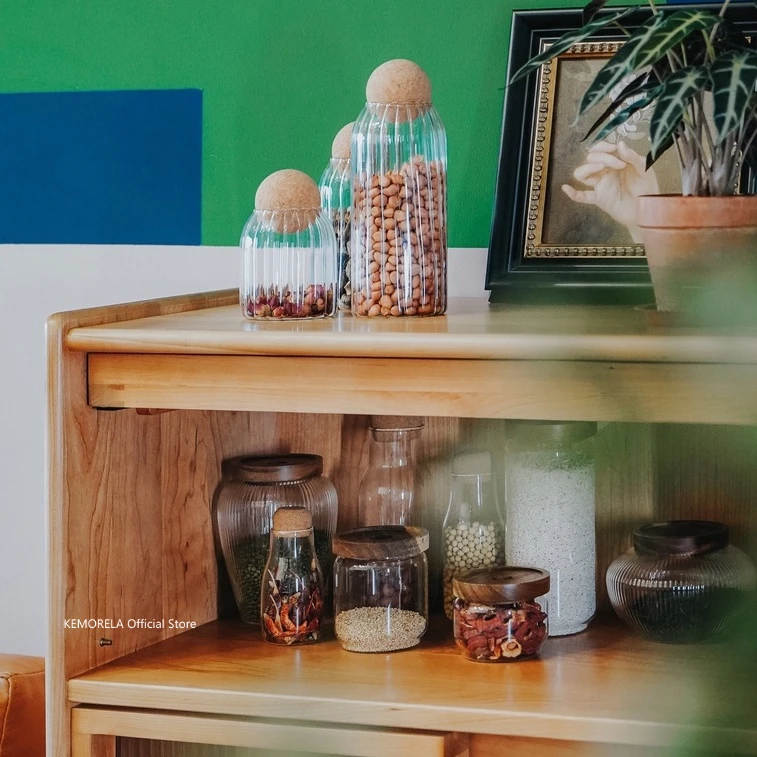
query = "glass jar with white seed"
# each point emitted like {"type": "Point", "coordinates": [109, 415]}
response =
{"type": "Point", "coordinates": [473, 531]}
{"type": "Point", "coordinates": [549, 495]}
{"type": "Point", "coordinates": [380, 588]}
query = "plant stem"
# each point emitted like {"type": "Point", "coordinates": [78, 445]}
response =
{"type": "Point", "coordinates": [653, 6]}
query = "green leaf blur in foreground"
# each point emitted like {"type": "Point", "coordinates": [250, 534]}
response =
{"type": "Point", "coordinates": [734, 77]}
{"type": "Point", "coordinates": [675, 95]}
{"type": "Point", "coordinates": [624, 114]}
{"type": "Point", "coordinates": [651, 42]}
{"type": "Point", "coordinates": [567, 41]}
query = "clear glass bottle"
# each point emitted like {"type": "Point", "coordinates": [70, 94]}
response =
{"type": "Point", "coordinates": [682, 582]}
{"type": "Point", "coordinates": [399, 216]}
{"type": "Point", "coordinates": [381, 588]}
{"type": "Point", "coordinates": [387, 489]}
{"type": "Point", "coordinates": [253, 487]}
{"type": "Point", "coordinates": [336, 200]}
{"type": "Point", "coordinates": [473, 532]}
{"type": "Point", "coordinates": [289, 252]}
{"type": "Point", "coordinates": [501, 614]}
{"type": "Point", "coordinates": [291, 597]}
{"type": "Point", "coordinates": [550, 514]}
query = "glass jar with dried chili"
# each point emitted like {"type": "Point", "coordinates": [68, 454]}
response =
{"type": "Point", "coordinates": [500, 614]}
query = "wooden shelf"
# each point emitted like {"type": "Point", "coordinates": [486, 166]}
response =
{"type": "Point", "coordinates": [601, 686]}
{"type": "Point", "coordinates": [567, 363]}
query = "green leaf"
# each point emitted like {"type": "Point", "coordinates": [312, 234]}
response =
{"type": "Point", "coordinates": [567, 41]}
{"type": "Point", "coordinates": [625, 113]}
{"type": "Point", "coordinates": [638, 86]}
{"type": "Point", "coordinates": [591, 10]}
{"type": "Point", "coordinates": [734, 77]}
{"type": "Point", "coordinates": [651, 41]}
{"type": "Point", "coordinates": [674, 97]}
{"type": "Point", "coordinates": [652, 159]}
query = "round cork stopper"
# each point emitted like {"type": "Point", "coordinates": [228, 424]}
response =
{"type": "Point", "coordinates": [288, 519]}
{"type": "Point", "coordinates": [398, 82]}
{"type": "Point", "coordinates": [340, 147]}
{"type": "Point", "coordinates": [288, 190]}
{"type": "Point", "coordinates": [395, 422]}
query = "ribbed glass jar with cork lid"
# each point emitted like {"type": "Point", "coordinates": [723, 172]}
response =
{"type": "Point", "coordinates": [291, 598]}
{"type": "Point", "coordinates": [289, 252]}
{"type": "Point", "coordinates": [336, 200]}
{"type": "Point", "coordinates": [550, 513]}
{"type": "Point", "coordinates": [253, 487]}
{"type": "Point", "coordinates": [381, 588]}
{"type": "Point", "coordinates": [399, 218]}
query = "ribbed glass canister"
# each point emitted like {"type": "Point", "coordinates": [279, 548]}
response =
{"type": "Point", "coordinates": [682, 582]}
{"type": "Point", "coordinates": [253, 488]}
{"type": "Point", "coordinates": [399, 218]}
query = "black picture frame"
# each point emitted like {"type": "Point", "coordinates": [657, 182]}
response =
{"type": "Point", "coordinates": [511, 275]}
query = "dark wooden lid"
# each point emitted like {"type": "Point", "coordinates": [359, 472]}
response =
{"type": "Point", "coordinates": [491, 586]}
{"type": "Point", "coordinates": [681, 537]}
{"type": "Point", "coordinates": [381, 542]}
{"type": "Point", "coordinates": [273, 469]}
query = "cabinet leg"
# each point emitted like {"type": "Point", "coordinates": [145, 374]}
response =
{"type": "Point", "coordinates": [88, 745]}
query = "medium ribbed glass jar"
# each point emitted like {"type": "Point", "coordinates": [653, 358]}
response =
{"type": "Point", "coordinates": [550, 517]}
{"type": "Point", "coordinates": [289, 252]}
{"type": "Point", "coordinates": [253, 488]}
{"type": "Point", "coordinates": [336, 200]}
{"type": "Point", "coordinates": [381, 588]}
{"type": "Point", "coordinates": [682, 582]}
{"type": "Point", "coordinates": [399, 217]}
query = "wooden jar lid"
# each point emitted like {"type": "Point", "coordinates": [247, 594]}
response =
{"type": "Point", "coordinates": [292, 519]}
{"type": "Point", "coordinates": [341, 147]}
{"type": "Point", "coordinates": [381, 542]}
{"type": "Point", "coordinates": [491, 586]}
{"type": "Point", "coordinates": [273, 469]}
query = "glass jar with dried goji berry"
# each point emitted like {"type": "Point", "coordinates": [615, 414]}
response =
{"type": "Point", "coordinates": [399, 216]}
{"type": "Point", "coordinates": [500, 614]}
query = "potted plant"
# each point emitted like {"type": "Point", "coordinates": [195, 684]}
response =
{"type": "Point", "coordinates": [697, 73]}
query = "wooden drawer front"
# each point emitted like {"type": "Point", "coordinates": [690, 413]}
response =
{"type": "Point", "coordinates": [93, 727]}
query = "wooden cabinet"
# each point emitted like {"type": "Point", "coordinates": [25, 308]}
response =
{"type": "Point", "coordinates": [132, 553]}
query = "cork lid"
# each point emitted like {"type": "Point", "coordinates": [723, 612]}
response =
{"type": "Point", "coordinates": [289, 199]}
{"type": "Point", "coordinates": [396, 422]}
{"type": "Point", "coordinates": [399, 82]}
{"type": "Point", "coordinates": [381, 542]}
{"type": "Point", "coordinates": [495, 585]}
{"type": "Point", "coordinates": [273, 469]}
{"type": "Point", "coordinates": [341, 146]}
{"type": "Point", "coordinates": [291, 520]}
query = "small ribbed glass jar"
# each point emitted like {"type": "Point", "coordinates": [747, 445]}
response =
{"type": "Point", "coordinates": [336, 200]}
{"type": "Point", "coordinates": [381, 588]}
{"type": "Point", "coordinates": [682, 582]}
{"type": "Point", "coordinates": [386, 495]}
{"type": "Point", "coordinates": [289, 252]}
{"type": "Point", "coordinates": [253, 488]}
{"type": "Point", "coordinates": [399, 217]}
{"type": "Point", "coordinates": [500, 614]}
{"type": "Point", "coordinates": [291, 598]}
{"type": "Point", "coordinates": [551, 516]}
{"type": "Point", "coordinates": [473, 532]}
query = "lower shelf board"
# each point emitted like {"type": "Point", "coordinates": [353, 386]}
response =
{"type": "Point", "coordinates": [600, 686]}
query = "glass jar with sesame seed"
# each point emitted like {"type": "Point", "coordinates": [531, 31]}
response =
{"type": "Point", "coordinates": [380, 588]}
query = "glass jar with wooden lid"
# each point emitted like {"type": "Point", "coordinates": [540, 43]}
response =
{"type": "Point", "coordinates": [381, 588]}
{"type": "Point", "coordinates": [500, 614]}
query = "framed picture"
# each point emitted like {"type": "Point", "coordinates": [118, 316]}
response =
{"type": "Point", "coordinates": [564, 230]}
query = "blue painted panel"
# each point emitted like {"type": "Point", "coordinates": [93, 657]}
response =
{"type": "Point", "coordinates": [119, 167]}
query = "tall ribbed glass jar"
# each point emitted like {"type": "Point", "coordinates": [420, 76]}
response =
{"type": "Point", "coordinates": [399, 217]}
{"type": "Point", "coordinates": [253, 488]}
{"type": "Point", "coordinates": [336, 200]}
{"type": "Point", "coordinates": [289, 252]}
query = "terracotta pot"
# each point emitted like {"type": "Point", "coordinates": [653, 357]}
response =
{"type": "Point", "coordinates": [700, 250]}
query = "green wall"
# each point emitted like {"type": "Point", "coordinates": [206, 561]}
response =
{"type": "Point", "coordinates": [280, 77]}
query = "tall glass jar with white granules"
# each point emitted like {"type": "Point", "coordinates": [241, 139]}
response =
{"type": "Point", "coordinates": [473, 532]}
{"type": "Point", "coordinates": [550, 518]}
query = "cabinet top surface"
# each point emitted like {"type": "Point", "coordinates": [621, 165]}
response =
{"type": "Point", "coordinates": [602, 685]}
{"type": "Point", "coordinates": [472, 329]}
